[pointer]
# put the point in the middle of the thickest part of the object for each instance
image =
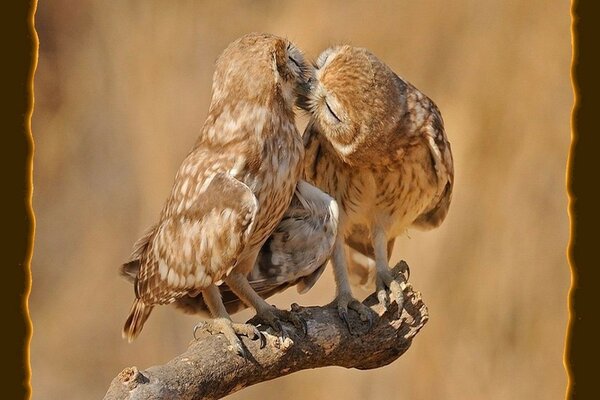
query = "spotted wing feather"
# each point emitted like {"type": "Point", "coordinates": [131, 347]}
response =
{"type": "Point", "coordinates": [441, 158]}
{"type": "Point", "coordinates": [199, 246]}
{"type": "Point", "coordinates": [294, 255]}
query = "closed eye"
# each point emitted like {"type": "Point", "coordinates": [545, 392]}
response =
{"type": "Point", "coordinates": [289, 50]}
{"type": "Point", "coordinates": [295, 62]}
{"type": "Point", "coordinates": [332, 113]}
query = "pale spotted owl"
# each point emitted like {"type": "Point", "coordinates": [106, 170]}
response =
{"type": "Point", "coordinates": [231, 190]}
{"type": "Point", "coordinates": [377, 145]}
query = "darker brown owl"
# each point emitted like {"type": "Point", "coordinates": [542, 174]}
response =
{"type": "Point", "coordinates": [377, 145]}
{"type": "Point", "coordinates": [231, 190]}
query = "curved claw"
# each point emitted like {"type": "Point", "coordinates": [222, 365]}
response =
{"type": "Point", "coordinates": [343, 313]}
{"type": "Point", "coordinates": [199, 325]}
{"type": "Point", "coordinates": [298, 321]}
{"type": "Point", "coordinates": [240, 351]}
{"type": "Point", "coordinates": [232, 331]}
{"type": "Point", "coordinates": [273, 318]}
{"type": "Point", "coordinates": [274, 324]}
{"type": "Point", "coordinates": [257, 334]}
{"type": "Point", "coordinates": [263, 340]}
{"type": "Point", "coordinates": [304, 326]}
{"type": "Point", "coordinates": [390, 288]}
{"type": "Point", "coordinates": [254, 321]}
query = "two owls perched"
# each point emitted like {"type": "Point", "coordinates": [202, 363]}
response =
{"type": "Point", "coordinates": [257, 208]}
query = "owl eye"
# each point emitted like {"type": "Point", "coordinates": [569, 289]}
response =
{"type": "Point", "coordinates": [331, 111]}
{"type": "Point", "coordinates": [294, 61]}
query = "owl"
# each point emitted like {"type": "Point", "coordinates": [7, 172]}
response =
{"type": "Point", "coordinates": [377, 145]}
{"type": "Point", "coordinates": [230, 192]}
{"type": "Point", "coordinates": [294, 255]}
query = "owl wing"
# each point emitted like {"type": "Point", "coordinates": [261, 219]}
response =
{"type": "Point", "coordinates": [294, 255]}
{"type": "Point", "coordinates": [441, 158]}
{"type": "Point", "coordinates": [303, 241]}
{"type": "Point", "coordinates": [198, 246]}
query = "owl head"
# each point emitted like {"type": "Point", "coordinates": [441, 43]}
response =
{"type": "Point", "coordinates": [355, 101]}
{"type": "Point", "coordinates": [263, 69]}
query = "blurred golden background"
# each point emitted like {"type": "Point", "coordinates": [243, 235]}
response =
{"type": "Point", "coordinates": [122, 89]}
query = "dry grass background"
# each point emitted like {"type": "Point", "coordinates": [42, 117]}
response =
{"type": "Point", "coordinates": [122, 89]}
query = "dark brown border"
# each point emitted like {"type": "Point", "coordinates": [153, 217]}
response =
{"type": "Point", "coordinates": [581, 354]}
{"type": "Point", "coordinates": [18, 65]}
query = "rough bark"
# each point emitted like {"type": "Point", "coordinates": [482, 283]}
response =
{"type": "Point", "coordinates": [208, 369]}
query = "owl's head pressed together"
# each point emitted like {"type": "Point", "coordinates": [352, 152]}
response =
{"type": "Point", "coordinates": [360, 105]}
{"type": "Point", "coordinates": [278, 71]}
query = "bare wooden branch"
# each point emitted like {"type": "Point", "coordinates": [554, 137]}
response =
{"type": "Point", "coordinates": [211, 370]}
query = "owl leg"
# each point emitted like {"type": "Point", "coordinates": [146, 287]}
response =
{"type": "Point", "coordinates": [266, 314]}
{"type": "Point", "coordinates": [222, 323]}
{"type": "Point", "coordinates": [344, 299]}
{"type": "Point", "coordinates": [388, 289]}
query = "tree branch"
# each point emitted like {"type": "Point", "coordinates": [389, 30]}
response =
{"type": "Point", "coordinates": [209, 370]}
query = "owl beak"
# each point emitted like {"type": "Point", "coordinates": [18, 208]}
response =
{"type": "Point", "coordinates": [303, 93]}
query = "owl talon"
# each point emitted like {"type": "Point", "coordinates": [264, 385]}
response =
{"type": "Point", "coordinates": [232, 331]}
{"type": "Point", "coordinates": [345, 302]}
{"type": "Point", "coordinates": [389, 289]}
{"type": "Point", "coordinates": [304, 326]}
{"type": "Point", "coordinates": [382, 295]}
{"type": "Point", "coordinates": [199, 325]}
{"type": "Point", "coordinates": [301, 325]}
{"type": "Point", "coordinates": [343, 313]}
{"type": "Point", "coordinates": [396, 294]}
{"type": "Point", "coordinates": [273, 317]}
{"type": "Point", "coordinates": [364, 313]}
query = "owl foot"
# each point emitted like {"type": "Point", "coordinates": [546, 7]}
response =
{"type": "Point", "coordinates": [390, 289]}
{"type": "Point", "coordinates": [345, 302]}
{"type": "Point", "coordinates": [231, 331]}
{"type": "Point", "coordinates": [273, 316]}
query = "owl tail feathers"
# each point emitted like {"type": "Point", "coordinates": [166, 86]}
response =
{"type": "Point", "coordinates": [137, 318]}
